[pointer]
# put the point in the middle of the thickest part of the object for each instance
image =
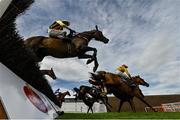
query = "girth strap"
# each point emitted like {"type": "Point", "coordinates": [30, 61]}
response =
{"type": "Point", "coordinates": [69, 48]}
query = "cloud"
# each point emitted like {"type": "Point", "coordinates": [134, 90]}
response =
{"type": "Point", "coordinates": [143, 34]}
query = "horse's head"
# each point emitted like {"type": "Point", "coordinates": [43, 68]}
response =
{"type": "Point", "coordinates": [76, 90]}
{"type": "Point", "coordinates": [68, 93]}
{"type": "Point", "coordinates": [52, 74]}
{"type": "Point", "coordinates": [98, 76]}
{"type": "Point", "coordinates": [93, 82]}
{"type": "Point", "coordinates": [139, 81]}
{"type": "Point", "coordinates": [101, 74]}
{"type": "Point", "coordinates": [98, 35]}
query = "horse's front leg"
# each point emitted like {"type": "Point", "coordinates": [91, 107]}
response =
{"type": "Point", "coordinates": [85, 56]}
{"type": "Point", "coordinates": [86, 49]}
{"type": "Point", "coordinates": [94, 58]}
{"type": "Point", "coordinates": [96, 64]}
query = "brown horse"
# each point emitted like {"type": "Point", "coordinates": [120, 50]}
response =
{"type": "Point", "coordinates": [120, 89]}
{"type": "Point", "coordinates": [60, 48]}
{"type": "Point", "coordinates": [82, 94]}
{"type": "Point", "coordinates": [61, 96]}
{"type": "Point", "coordinates": [49, 73]}
{"type": "Point", "coordinates": [89, 101]}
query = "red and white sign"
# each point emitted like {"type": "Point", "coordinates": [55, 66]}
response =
{"type": "Point", "coordinates": [35, 99]}
{"type": "Point", "coordinates": [21, 100]}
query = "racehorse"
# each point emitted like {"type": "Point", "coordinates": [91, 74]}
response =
{"type": "Point", "coordinates": [49, 73]}
{"type": "Point", "coordinates": [120, 89]}
{"type": "Point", "coordinates": [83, 92]}
{"type": "Point", "coordinates": [61, 96]}
{"type": "Point", "coordinates": [60, 48]}
{"type": "Point", "coordinates": [95, 93]}
{"type": "Point", "coordinates": [89, 101]}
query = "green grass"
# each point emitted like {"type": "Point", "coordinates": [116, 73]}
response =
{"type": "Point", "coordinates": [122, 115]}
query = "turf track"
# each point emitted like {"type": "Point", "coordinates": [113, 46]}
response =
{"type": "Point", "coordinates": [122, 115]}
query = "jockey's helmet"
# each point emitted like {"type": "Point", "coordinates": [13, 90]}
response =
{"type": "Point", "coordinates": [125, 66]}
{"type": "Point", "coordinates": [63, 22]}
{"type": "Point", "coordinates": [66, 22]}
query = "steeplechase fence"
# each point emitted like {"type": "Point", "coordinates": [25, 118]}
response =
{"type": "Point", "coordinates": [166, 107]}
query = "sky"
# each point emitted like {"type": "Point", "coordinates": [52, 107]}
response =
{"type": "Point", "coordinates": [144, 34]}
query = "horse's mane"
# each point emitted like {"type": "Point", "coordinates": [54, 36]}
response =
{"type": "Point", "coordinates": [13, 53]}
{"type": "Point", "coordinates": [86, 32]}
{"type": "Point", "coordinates": [90, 31]}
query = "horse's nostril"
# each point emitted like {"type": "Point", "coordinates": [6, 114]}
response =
{"type": "Point", "coordinates": [106, 41]}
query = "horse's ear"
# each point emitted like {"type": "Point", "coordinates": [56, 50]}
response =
{"type": "Point", "coordinates": [97, 28]}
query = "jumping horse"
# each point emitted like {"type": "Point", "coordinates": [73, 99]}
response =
{"type": "Point", "coordinates": [61, 96]}
{"type": "Point", "coordinates": [60, 48]}
{"type": "Point", "coordinates": [121, 89]}
{"type": "Point", "coordinates": [89, 101]}
{"type": "Point", "coordinates": [82, 94]}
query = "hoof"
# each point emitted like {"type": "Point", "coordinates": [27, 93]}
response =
{"type": "Point", "coordinates": [94, 69]}
{"type": "Point", "coordinates": [89, 61]}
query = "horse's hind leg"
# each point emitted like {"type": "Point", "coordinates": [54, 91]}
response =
{"type": "Point", "coordinates": [88, 109]}
{"type": "Point", "coordinates": [91, 109]}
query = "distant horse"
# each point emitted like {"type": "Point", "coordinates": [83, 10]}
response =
{"type": "Point", "coordinates": [93, 91]}
{"type": "Point", "coordinates": [96, 97]}
{"type": "Point", "coordinates": [89, 101]}
{"type": "Point", "coordinates": [59, 48]}
{"type": "Point", "coordinates": [49, 73]}
{"type": "Point", "coordinates": [120, 89]}
{"type": "Point", "coordinates": [61, 96]}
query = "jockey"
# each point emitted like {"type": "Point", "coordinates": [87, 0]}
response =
{"type": "Point", "coordinates": [56, 30]}
{"type": "Point", "coordinates": [122, 71]}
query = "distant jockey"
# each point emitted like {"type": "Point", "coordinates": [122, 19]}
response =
{"type": "Point", "coordinates": [122, 71]}
{"type": "Point", "coordinates": [56, 30]}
